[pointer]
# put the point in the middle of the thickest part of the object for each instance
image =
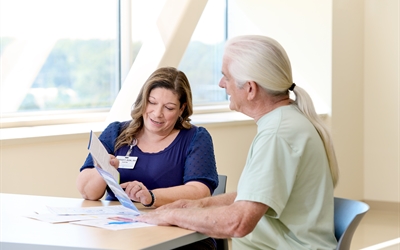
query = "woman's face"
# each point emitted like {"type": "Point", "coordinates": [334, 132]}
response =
{"type": "Point", "coordinates": [162, 111]}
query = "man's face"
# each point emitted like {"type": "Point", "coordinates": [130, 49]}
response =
{"type": "Point", "coordinates": [237, 95]}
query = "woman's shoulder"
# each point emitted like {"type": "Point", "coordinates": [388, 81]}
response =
{"type": "Point", "coordinates": [115, 128]}
{"type": "Point", "coordinates": [194, 130]}
{"type": "Point", "coordinates": [202, 131]}
{"type": "Point", "coordinates": [117, 125]}
{"type": "Point", "coordinates": [195, 133]}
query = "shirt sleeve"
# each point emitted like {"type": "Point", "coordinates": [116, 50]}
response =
{"type": "Point", "coordinates": [269, 174]}
{"type": "Point", "coordinates": [107, 138]}
{"type": "Point", "coordinates": [200, 162]}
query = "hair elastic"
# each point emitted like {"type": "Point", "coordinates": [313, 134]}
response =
{"type": "Point", "coordinates": [292, 87]}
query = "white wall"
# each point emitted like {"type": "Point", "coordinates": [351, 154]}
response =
{"type": "Point", "coordinates": [303, 28]}
{"type": "Point", "coordinates": [382, 100]}
{"type": "Point", "coordinates": [347, 95]}
{"type": "Point", "coordinates": [42, 166]}
{"type": "Point", "coordinates": [49, 165]}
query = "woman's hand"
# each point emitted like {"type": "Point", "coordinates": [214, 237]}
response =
{"type": "Point", "coordinates": [137, 191]}
{"type": "Point", "coordinates": [114, 161]}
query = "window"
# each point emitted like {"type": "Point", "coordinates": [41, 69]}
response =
{"type": "Point", "coordinates": [202, 61]}
{"type": "Point", "coordinates": [203, 58]}
{"type": "Point", "coordinates": [58, 59]}
{"type": "Point", "coordinates": [71, 56]}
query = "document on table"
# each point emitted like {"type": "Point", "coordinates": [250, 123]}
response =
{"type": "Point", "coordinates": [107, 217]}
{"type": "Point", "coordinates": [55, 218]}
{"type": "Point", "coordinates": [113, 223]}
{"type": "Point", "coordinates": [100, 154]}
{"type": "Point", "coordinates": [101, 210]}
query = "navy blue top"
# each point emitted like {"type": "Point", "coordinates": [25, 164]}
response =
{"type": "Point", "coordinates": [190, 157]}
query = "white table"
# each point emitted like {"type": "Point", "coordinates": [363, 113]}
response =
{"type": "Point", "coordinates": [19, 232]}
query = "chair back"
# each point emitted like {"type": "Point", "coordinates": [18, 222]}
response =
{"type": "Point", "coordinates": [348, 214]}
{"type": "Point", "coordinates": [221, 189]}
{"type": "Point", "coordinates": [222, 244]}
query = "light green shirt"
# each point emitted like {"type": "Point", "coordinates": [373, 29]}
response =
{"type": "Point", "coordinates": [287, 169]}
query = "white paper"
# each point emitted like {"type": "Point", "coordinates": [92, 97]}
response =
{"type": "Point", "coordinates": [101, 210]}
{"type": "Point", "coordinates": [54, 218]}
{"type": "Point", "coordinates": [113, 223]}
{"type": "Point", "coordinates": [104, 220]}
{"type": "Point", "coordinates": [101, 156]}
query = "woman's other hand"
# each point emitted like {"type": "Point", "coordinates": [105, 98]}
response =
{"type": "Point", "coordinates": [114, 161]}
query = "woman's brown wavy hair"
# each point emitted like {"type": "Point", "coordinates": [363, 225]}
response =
{"type": "Point", "coordinates": [168, 78]}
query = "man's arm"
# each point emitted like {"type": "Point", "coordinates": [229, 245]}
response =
{"type": "Point", "coordinates": [235, 220]}
{"type": "Point", "coordinates": [219, 200]}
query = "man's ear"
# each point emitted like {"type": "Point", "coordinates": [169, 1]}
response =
{"type": "Point", "coordinates": [252, 89]}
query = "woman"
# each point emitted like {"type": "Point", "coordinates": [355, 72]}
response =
{"type": "Point", "coordinates": [160, 155]}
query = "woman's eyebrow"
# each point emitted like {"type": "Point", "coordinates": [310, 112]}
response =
{"type": "Point", "coordinates": [165, 103]}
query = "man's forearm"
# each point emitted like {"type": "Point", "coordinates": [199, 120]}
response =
{"type": "Point", "coordinates": [220, 200]}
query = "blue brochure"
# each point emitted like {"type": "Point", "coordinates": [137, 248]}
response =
{"type": "Point", "coordinates": [117, 190]}
{"type": "Point", "coordinates": [108, 172]}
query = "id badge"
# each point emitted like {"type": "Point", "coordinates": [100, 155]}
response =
{"type": "Point", "coordinates": [127, 162]}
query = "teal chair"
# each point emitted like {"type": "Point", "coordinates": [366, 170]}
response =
{"type": "Point", "coordinates": [222, 244]}
{"type": "Point", "coordinates": [348, 214]}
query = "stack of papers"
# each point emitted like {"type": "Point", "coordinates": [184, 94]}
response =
{"type": "Point", "coordinates": [108, 217]}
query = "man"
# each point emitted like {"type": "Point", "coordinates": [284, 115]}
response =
{"type": "Point", "coordinates": [284, 198]}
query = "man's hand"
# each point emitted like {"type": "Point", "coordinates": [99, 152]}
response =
{"type": "Point", "coordinates": [156, 217]}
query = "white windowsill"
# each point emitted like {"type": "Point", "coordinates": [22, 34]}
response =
{"type": "Point", "coordinates": [212, 116]}
{"type": "Point", "coordinates": [22, 134]}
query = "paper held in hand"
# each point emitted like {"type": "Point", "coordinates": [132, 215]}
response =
{"type": "Point", "coordinates": [101, 156]}
{"type": "Point", "coordinates": [108, 172]}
